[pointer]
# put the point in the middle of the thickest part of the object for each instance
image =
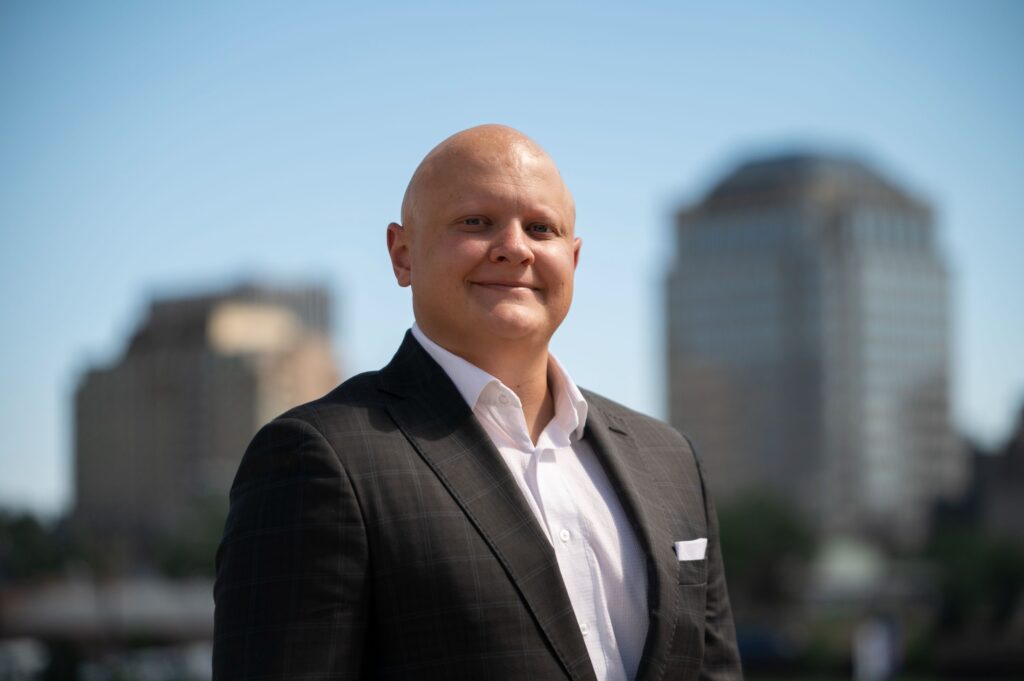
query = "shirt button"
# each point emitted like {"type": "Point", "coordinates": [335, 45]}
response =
{"type": "Point", "coordinates": [503, 398]}
{"type": "Point", "coordinates": [564, 535]}
{"type": "Point", "coordinates": [584, 629]}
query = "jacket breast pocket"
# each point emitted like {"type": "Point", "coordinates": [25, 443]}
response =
{"type": "Point", "coordinates": [693, 572]}
{"type": "Point", "coordinates": [686, 649]}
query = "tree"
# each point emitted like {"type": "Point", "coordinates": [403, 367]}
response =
{"type": "Point", "coordinates": [764, 542]}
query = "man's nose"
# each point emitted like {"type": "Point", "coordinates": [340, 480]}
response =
{"type": "Point", "coordinates": [512, 245]}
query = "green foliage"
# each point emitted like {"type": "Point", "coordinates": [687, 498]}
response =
{"type": "Point", "coordinates": [192, 549]}
{"type": "Point", "coordinates": [981, 578]}
{"type": "Point", "coordinates": [28, 547]}
{"type": "Point", "coordinates": [763, 539]}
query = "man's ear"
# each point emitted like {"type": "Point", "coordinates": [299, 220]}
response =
{"type": "Point", "coordinates": [398, 249]}
{"type": "Point", "coordinates": [576, 244]}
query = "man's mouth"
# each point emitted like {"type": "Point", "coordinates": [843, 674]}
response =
{"type": "Point", "coordinates": [504, 285]}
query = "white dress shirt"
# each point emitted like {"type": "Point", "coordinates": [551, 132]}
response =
{"type": "Point", "coordinates": [600, 559]}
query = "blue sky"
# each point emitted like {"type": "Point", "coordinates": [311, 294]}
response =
{"type": "Point", "coordinates": [151, 148]}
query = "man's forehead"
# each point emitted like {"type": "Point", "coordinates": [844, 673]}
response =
{"type": "Point", "coordinates": [537, 195]}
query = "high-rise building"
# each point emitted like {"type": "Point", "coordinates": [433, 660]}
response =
{"type": "Point", "coordinates": [162, 430]}
{"type": "Point", "coordinates": [809, 344]}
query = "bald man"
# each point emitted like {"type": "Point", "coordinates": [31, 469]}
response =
{"type": "Point", "coordinates": [468, 512]}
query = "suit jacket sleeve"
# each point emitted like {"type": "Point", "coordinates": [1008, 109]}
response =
{"type": "Point", "coordinates": [291, 591]}
{"type": "Point", "coordinates": [721, 656]}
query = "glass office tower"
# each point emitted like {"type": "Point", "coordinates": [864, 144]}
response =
{"type": "Point", "coordinates": [809, 344]}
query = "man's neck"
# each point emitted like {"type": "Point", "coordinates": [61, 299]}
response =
{"type": "Point", "coordinates": [524, 369]}
{"type": "Point", "coordinates": [532, 386]}
{"type": "Point", "coordinates": [527, 376]}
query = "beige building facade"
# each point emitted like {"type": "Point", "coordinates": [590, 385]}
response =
{"type": "Point", "coordinates": [161, 431]}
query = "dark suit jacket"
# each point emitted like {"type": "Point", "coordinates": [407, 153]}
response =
{"type": "Point", "coordinates": [377, 534]}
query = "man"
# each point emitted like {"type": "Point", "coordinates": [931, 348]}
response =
{"type": "Point", "coordinates": [467, 512]}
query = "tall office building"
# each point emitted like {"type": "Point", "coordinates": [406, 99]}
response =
{"type": "Point", "coordinates": [163, 429]}
{"type": "Point", "coordinates": [809, 344]}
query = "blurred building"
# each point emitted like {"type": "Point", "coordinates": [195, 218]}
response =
{"type": "Point", "coordinates": [1001, 479]}
{"type": "Point", "coordinates": [159, 433]}
{"type": "Point", "coordinates": [994, 499]}
{"type": "Point", "coordinates": [809, 343]}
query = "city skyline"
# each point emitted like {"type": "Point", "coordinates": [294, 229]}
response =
{"type": "Point", "coordinates": [167, 150]}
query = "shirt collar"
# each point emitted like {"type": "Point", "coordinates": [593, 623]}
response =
{"type": "Point", "coordinates": [470, 380]}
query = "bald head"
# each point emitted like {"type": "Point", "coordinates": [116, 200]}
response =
{"type": "Point", "coordinates": [484, 146]}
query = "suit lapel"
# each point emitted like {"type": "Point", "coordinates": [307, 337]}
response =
{"type": "Point", "coordinates": [624, 464]}
{"type": "Point", "coordinates": [433, 416]}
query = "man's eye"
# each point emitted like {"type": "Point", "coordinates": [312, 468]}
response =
{"type": "Point", "coordinates": [473, 222]}
{"type": "Point", "coordinates": [541, 228]}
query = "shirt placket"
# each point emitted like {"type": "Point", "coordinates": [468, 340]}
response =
{"type": "Point", "coordinates": [569, 541]}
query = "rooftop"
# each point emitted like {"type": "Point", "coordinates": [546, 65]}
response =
{"type": "Point", "coordinates": [803, 175]}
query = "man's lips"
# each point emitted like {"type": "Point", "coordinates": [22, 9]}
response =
{"type": "Point", "coordinates": [504, 285]}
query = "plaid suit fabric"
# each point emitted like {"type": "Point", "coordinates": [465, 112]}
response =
{"type": "Point", "coordinates": [691, 633]}
{"type": "Point", "coordinates": [376, 534]}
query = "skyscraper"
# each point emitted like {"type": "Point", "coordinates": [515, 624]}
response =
{"type": "Point", "coordinates": [163, 428]}
{"type": "Point", "coordinates": [809, 343]}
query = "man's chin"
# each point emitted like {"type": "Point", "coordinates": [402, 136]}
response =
{"type": "Point", "coordinates": [513, 325]}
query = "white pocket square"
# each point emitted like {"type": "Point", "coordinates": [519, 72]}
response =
{"type": "Point", "coordinates": [694, 549]}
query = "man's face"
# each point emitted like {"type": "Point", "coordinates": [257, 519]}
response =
{"type": "Point", "coordinates": [489, 251]}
